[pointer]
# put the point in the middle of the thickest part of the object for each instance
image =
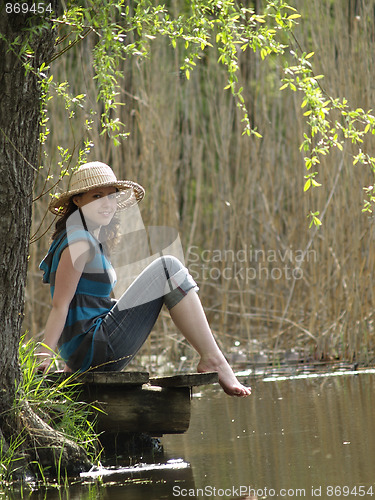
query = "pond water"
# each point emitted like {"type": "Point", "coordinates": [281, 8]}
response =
{"type": "Point", "coordinates": [295, 437]}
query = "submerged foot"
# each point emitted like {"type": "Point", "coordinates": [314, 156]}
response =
{"type": "Point", "coordinates": [227, 378]}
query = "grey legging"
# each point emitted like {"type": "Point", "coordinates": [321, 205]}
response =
{"type": "Point", "coordinates": [165, 281]}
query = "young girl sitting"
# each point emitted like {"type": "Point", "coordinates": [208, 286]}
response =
{"type": "Point", "coordinates": [92, 329]}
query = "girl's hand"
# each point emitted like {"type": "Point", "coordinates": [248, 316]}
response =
{"type": "Point", "coordinates": [44, 360]}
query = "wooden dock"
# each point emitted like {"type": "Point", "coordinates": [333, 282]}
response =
{"type": "Point", "coordinates": [134, 402]}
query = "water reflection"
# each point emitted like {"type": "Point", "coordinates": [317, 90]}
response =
{"type": "Point", "coordinates": [143, 481]}
{"type": "Point", "coordinates": [300, 435]}
{"type": "Point", "coordinates": [298, 438]}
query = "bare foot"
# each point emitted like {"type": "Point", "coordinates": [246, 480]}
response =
{"type": "Point", "coordinates": [227, 378]}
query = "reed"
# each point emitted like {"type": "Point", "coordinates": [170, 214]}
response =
{"type": "Point", "coordinates": [267, 282]}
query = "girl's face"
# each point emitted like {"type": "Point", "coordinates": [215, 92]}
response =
{"type": "Point", "coordinates": [98, 205]}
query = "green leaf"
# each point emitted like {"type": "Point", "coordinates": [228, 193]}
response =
{"type": "Point", "coordinates": [315, 183]}
{"type": "Point", "coordinates": [317, 221]}
{"type": "Point", "coordinates": [307, 185]}
{"type": "Point", "coordinates": [308, 163]}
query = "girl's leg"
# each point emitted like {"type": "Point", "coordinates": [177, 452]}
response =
{"type": "Point", "coordinates": [189, 317]}
{"type": "Point", "coordinates": [129, 323]}
{"type": "Point", "coordinates": [166, 281]}
{"type": "Point", "coordinates": [129, 329]}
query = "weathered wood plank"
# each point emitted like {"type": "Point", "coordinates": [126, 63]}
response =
{"type": "Point", "coordinates": [104, 378]}
{"type": "Point", "coordinates": [185, 380]}
{"type": "Point", "coordinates": [132, 402]}
{"type": "Point", "coordinates": [154, 410]}
{"type": "Point", "coordinates": [139, 378]}
{"type": "Point", "coordinates": [115, 378]}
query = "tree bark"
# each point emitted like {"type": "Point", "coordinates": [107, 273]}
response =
{"type": "Point", "coordinates": [20, 101]}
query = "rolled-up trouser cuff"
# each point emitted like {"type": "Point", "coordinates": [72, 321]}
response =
{"type": "Point", "coordinates": [179, 285]}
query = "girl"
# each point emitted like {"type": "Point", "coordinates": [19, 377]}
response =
{"type": "Point", "coordinates": [92, 329]}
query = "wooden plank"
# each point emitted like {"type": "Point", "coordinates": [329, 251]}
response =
{"type": "Point", "coordinates": [115, 378]}
{"type": "Point", "coordinates": [154, 410]}
{"type": "Point", "coordinates": [186, 380]}
{"type": "Point", "coordinates": [104, 378]}
{"type": "Point", "coordinates": [138, 378]}
{"type": "Point", "coordinates": [130, 402]}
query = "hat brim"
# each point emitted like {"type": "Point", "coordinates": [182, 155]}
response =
{"type": "Point", "coordinates": [135, 192]}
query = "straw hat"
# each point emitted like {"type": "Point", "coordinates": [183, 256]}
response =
{"type": "Point", "coordinates": [92, 175]}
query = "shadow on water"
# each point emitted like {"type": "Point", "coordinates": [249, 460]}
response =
{"type": "Point", "coordinates": [297, 437]}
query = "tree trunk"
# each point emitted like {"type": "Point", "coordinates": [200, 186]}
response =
{"type": "Point", "coordinates": [19, 148]}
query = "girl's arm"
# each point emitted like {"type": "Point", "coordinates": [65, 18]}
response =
{"type": "Point", "coordinates": [68, 274]}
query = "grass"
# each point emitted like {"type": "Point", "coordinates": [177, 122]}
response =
{"type": "Point", "coordinates": [57, 403]}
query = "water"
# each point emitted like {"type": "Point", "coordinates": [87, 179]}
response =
{"type": "Point", "coordinates": [300, 434]}
{"type": "Point", "coordinates": [293, 438]}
